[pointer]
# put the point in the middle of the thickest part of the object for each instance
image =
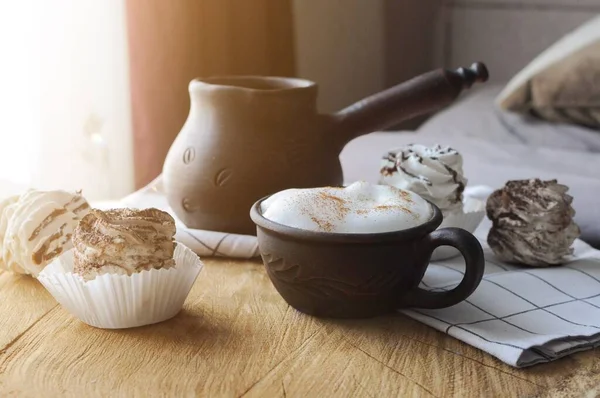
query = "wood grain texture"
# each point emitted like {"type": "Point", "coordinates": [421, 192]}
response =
{"type": "Point", "coordinates": [236, 337]}
{"type": "Point", "coordinates": [22, 303]}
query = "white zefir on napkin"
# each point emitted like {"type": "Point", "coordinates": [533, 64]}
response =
{"type": "Point", "coordinates": [521, 315]}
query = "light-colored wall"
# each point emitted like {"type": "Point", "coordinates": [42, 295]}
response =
{"type": "Point", "coordinates": [354, 48]}
{"type": "Point", "coordinates": [507, 34]}
{"type": "Point", "coordinates": [340, 45]}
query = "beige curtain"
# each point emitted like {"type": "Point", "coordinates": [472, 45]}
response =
{"type": "Point", "coordinates": [172, 42]}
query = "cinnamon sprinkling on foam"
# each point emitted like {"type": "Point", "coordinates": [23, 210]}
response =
{"type": "Point", "coordinates": [392, 207]}
{"type": "Point", "coordinates": [404, 195]}
{"type": "Point", "coordinates": [358, 208]}
{"type": "Point", "coordinates": [324, 225]}
{"type": "Point", "coordinates": [337, 209]}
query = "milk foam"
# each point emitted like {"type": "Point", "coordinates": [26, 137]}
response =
{"type": "Point", "coordinates": [357, 208]}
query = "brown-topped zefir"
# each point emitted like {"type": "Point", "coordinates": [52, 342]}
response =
{"type": "Point", "coordinates": [123, 241]}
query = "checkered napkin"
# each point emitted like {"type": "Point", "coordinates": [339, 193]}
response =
{"type": "Point", "coordinates": [522, 316]}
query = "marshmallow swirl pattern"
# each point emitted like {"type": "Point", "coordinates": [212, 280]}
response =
{"type": "Point", "coordinates": [358, 208]}
{"type": "Point", "coordinates": [435, 173]}
{"type": "Point", "coordinates": [123, 241]}
{"type": "Point", "coordinates": [36, 227]}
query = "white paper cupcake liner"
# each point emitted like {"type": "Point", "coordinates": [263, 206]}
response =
{"type": "Point", "coordinates": [112, 301]}
{"type": "Point", "coordinates": [469, 220]}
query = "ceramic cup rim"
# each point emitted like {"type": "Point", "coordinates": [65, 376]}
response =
{"type": "Point", "coordinates": [302, 234]}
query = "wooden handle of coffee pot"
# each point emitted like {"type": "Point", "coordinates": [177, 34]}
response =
{"type": "Point", "coordinates": [422, 94]}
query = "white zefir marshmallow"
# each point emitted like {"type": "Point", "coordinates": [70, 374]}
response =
{"type": "Point", "coordinates": [435, 173]}
{"type": "Point", "coordinates": [36, 227]}
{"type": "Point", "coordinates": [358, 208]}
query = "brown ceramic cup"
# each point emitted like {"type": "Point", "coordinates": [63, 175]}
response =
{"type": "Point", "coordinates": [342, 275]}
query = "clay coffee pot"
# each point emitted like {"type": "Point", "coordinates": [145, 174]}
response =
{"type": "Point", "coordinates": [247, 137]}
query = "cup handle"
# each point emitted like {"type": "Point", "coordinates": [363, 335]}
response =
{"type": "Point", "coordinates": [472, 252]}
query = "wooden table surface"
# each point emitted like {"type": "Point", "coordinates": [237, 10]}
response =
{"type": "Point", "coordinates": [237, 337]}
